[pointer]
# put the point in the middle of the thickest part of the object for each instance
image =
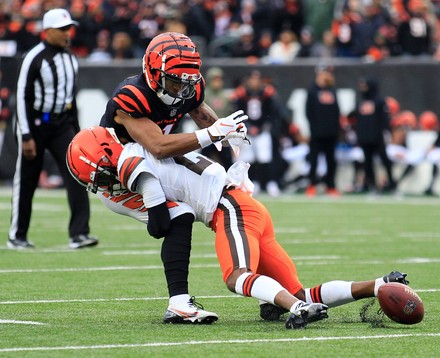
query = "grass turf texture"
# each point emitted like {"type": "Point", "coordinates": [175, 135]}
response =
{"type": "Point", "coordinates": [109, 301]}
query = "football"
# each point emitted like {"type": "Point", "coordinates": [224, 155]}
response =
{"type": "Point", "coordinates": [400, 303]}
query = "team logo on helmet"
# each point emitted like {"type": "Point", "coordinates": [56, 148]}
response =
{"type": "Point", "coordinates": [171, 67]}
{"type": "Point", "coordinates": [92, 159]}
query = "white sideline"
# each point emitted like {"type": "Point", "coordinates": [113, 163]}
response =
{"type": "Point", "coordinates": [237, 341]}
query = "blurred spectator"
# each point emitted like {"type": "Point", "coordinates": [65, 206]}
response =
{"type": "Point", "coordinates": [365, 30]}
{"type": "Point", "coordinates": [342, 29]}
{"type": "Point", "coordinates": [385, 44]}
{"type": "Point", "coordinates": [264, 43]}
{"type": "Point", "coordinates": [176, 25]}
{"type": "Point", "coordinates": [371, 118]}
{"type": "Point", "coordinates": [309, 46]}
{"type": "Point", "coordinates": [262, 16]}
{"type": "Point", "coordinates": [294, 150]}
{"type": "Point", "coordinates": [148, 23]}
{"type": "Point", "coordinates": [102, 52]}
{"type": "Point", "coordinates": [327, 46]}
{"type": "Point", "coordinates": [121, 47]}
{"type": "Point", "coordinates": [319, 15]}
{"type": "Point", "coordinates": [216, 22]}
{"type": "Point", "coordinates": [285, 49]}
{"type": "Point", "coordinates": [223, 17]}
{"type": "Point", "coordinates": [200, 19]}
{"type": "Point", "coordinates": [25, 25]}
{"type": "Point", "coordinates": [322, 111]}
{"type": "Point", "coordinates": [258, 100]}
{"type": "Point", "coordinates": [428, 120]}
{"type": "Point", "coordinates": [246, 46]}
{"type": "Point", "coordinates": [397, 150]}
{"type": "Point", "coordinates": [349, 152]}
{"type": "Point", "coordinates": [289, 16]}
{"type": "Point", "coordinates": [414, 33]}
{"type": "Point", "coordinates": [246, 13]}
{"type": "Point", "coordinates": [5, 110]}
{"type": "Point", "coordinates": [218, 98]}
{"type": "Point", "coordinates": [84, 37]}
{"type": "Point", "coordinates": [120, 14]}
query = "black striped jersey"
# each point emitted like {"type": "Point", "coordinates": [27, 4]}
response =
{"type": "Point", "coordinates": [136, 98]}
{"type": "Point", "coordinates": [46, 83]}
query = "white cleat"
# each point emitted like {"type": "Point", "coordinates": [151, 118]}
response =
{"type": "Point", "coordinates": [191, 312]}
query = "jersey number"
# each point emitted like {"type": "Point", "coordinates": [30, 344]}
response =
{"type": "Point", "coordinates": [196, 163]}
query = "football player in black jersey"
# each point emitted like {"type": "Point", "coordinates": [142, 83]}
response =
{"type": "Point", "coordinates": [147, 109]}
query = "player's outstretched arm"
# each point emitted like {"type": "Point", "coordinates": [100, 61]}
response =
{"type": "Point", "coordinates": [150, 136]}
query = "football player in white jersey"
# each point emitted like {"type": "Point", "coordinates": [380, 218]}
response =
{"type": "Point", "coordinates": [252, 261]}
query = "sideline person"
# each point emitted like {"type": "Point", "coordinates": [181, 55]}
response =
{"type": "Point", "coordinates": [47, 118]}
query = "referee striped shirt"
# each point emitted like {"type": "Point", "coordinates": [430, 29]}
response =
{"type": "Point", "coordinates": [46, 84]}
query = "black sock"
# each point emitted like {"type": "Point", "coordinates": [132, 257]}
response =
{"type": "Point", "coordinates": [175, 254]}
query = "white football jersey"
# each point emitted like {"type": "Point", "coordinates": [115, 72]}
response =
{"type": "Point", "coordinates": [192, 178]}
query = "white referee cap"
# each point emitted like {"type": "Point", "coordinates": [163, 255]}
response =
{"type": "Point", "coordinates": [57, 18]}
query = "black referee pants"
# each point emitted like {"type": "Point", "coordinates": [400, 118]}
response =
{"type": "Point", "coordinates": [55, 137]}
{"type": "Point", "coordinates": [327, 146]}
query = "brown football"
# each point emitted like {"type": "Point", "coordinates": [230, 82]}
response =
{"type": "Point", "coordinates": [400, 303]}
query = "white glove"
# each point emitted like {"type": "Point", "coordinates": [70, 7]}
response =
{"type": "Point", "coordinates": [237, 142]}
{"type": "Point", "coordinates": [223, 129]}
{"type": "Point", "coordinates": [228, 127]}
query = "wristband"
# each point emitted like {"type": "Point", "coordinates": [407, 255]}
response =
{"type": "Point", "coordinates": [26, 137]}
{"type": "Point", "coordinates": [203, 137]}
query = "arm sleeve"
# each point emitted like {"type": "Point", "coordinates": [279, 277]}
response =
{"type": "Point", "coordinates": [24, 84]}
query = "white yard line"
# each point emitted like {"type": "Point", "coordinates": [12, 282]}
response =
{"type": "Point", "coordinates": [12, 321]}
{"type": "Point", "coordinates": [108, 300]}
{"type": "Point", "coordinates": [105, 268]}
{"type": "Point", "coordinates": [93, 300]}
{"type": "Point", "coordinates": [299, 260]}
{"type": "Point", "coordinates": [220, 342]}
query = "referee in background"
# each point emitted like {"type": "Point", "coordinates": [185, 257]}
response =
{"type": "Point", "coordinates": [47, 118]}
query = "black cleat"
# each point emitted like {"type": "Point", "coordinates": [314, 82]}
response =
{"type": "Point", "coordinates": [396, 276]}
{"type": "Point", "coordinates": [305, 313]}
{"type": "Point", "coordinates": [19, 244]}
{"type": "Point", "coordinates": [270, 312]}
{"type": "Point", "coordinates": [80, 241]}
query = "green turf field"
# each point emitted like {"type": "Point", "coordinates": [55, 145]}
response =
{"type": "Point", "coordinates": [109, 301]}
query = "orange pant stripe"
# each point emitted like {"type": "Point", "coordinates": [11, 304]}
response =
{"type": "Point", "coordinates": [245, 238]}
